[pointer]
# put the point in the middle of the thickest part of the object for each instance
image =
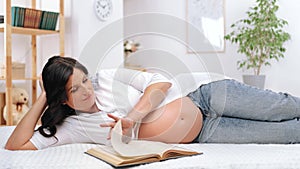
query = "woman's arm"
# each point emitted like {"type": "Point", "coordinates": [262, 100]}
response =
{"type": "Point", "coordinates": [19, 139]}
{"type": "Point", "coordinates": [152, 97]}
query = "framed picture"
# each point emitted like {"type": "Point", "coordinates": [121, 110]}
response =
{"type": "Point", "coordinates": [205, 26]}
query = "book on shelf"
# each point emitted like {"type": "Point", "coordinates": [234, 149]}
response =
{"type": "Point", "coordinates": [28, 19]}
{"type": "Point", "coordinates": [49, 20]}
{"type": "Point", "coordinates": [135, 152]}
{"type": "Point", "coordinates": [17, 16]}
{"type": "Point", "coordinates": [33, 18]}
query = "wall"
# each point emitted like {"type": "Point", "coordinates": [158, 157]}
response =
{"type": "Point", "coordinates": [168, 52]}
{"type": "Point", "coordinates": [84, 33]}
{"type": "Point", "coordinates": [97, 43]}
{"type": "Point", "coordinates": [157, 49]}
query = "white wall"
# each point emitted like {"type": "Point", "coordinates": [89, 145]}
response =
{"type": "Point", "coordinates": [83, 33]}
{"type": "Point", "coordinates": [97, 43]}
{"type": "Point", "coordinates": [281, 76]}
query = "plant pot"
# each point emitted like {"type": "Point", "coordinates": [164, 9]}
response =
{"type": "Point", "coordinates": [255, 80]}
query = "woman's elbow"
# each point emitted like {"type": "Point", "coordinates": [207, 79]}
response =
{"type": "Point", "coordinates": [166, 86]}
{"type": "Point", "coordinates": [27, 146]}
{"type": "Point", "coordinates": [10, 147]}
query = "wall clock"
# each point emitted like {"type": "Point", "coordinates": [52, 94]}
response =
{"type": "Point", "coordinates": [103, 9]}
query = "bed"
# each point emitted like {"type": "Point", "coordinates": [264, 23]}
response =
{"type": "Point", "coordinates": [215, 156]}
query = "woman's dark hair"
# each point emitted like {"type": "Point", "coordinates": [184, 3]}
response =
{"type": "Point", "coordinates": [55, 76]}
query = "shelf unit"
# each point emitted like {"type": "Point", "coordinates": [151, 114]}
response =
{"type": "Point", "coordinates": [8, 30]}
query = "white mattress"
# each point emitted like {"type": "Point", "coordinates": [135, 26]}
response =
{"type": "Point", "coordinates": [215, 156]}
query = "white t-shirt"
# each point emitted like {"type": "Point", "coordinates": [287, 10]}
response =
{"type": "Point", "coordinates": [117, 91]}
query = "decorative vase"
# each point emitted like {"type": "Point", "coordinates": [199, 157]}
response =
{"type": "Point", "coordinates": [255, 80]}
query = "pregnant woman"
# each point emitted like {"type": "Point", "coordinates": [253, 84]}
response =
{"type": "Point", "coordinates": [76, 108]}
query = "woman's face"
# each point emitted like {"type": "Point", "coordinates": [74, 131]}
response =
{"type": "Point", "coordinates": [80, 92]}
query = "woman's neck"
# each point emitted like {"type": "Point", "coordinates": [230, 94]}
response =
{"type": "Point", "coordinates": [94, 108]}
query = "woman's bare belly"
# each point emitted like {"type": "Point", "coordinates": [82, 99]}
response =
{"type": "Point", "coordinates": [180, 121]}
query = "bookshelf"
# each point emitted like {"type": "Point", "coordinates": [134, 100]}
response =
{"type": "Point", "coordinates": [8, 30]}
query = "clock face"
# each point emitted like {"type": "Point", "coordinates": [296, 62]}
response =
{"type": "Point", "coordinates": [103, 9]}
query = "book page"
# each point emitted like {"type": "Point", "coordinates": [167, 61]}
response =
{"type": "Point", "coordinates": [135, 147]}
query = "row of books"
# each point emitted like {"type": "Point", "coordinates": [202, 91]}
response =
{"type": "Point", "coordinates": [1, 19]}
{"type": "Point", "coordinates": [33, 18]}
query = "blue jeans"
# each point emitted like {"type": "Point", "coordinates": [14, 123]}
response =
{"type": "Point", "coordinates": [237, 113]}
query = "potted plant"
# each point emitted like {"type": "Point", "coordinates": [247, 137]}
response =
{"type": "Point", "coordinates": [260, 37]}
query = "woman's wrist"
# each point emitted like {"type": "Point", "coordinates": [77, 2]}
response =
{"type": "Point", "coordinates": [136, 116]}
{"type": "Point", "coordinates": [131, 121]}
{"type": "Point", "coordinates": [42, 99]}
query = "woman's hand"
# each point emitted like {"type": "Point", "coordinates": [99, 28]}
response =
{"type": "Point", "coordinates": [127, 125]}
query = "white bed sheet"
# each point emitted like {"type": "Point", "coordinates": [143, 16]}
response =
{"type": "Point", "coordinates": [215, 156]}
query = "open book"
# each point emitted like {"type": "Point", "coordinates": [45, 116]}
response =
{"type": "Point", "coordinates": [121, 154]}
